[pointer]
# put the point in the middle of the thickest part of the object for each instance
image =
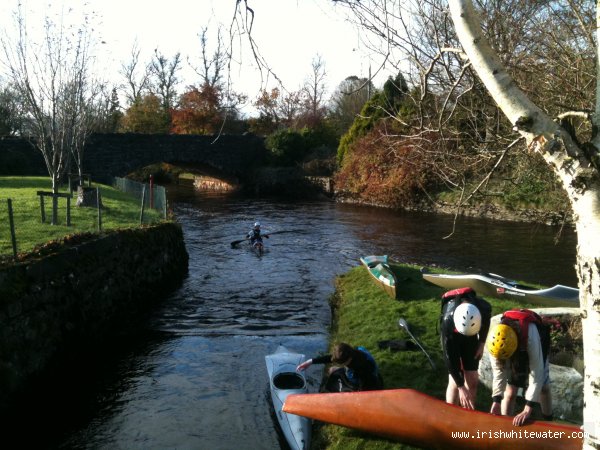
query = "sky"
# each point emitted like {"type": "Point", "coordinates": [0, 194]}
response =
{"type": "Point", "coordinates": [289, 34]}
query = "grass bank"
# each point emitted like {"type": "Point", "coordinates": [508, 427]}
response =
{"type": "Point", "coordinates": [365, 315]}
{"type": "Point", "coordinates": [119, 210]}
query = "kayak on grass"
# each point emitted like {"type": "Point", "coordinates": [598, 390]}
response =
{"type": "Point", "coordinates": [381, 273]}
{"type": "Point", "coordinates": [494, 285]}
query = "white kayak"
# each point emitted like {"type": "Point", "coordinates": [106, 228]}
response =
{"type": "Point", "coordinates": [285, 380]}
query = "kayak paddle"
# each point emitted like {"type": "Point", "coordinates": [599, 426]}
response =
{"type": "Point", "coordinates": [402, 324]}
{"type": "Point", "coordinates": [234, 243]}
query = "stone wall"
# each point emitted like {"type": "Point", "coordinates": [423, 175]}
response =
{"type": "Point", "coordinates": [79, 294]}
{"type": "Point", "coordinates": [325, 184]}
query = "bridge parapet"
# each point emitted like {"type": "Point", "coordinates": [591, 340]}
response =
{"type": "Point", "coordinates": [118, 154]}
{"type": "Point", "coordinates": [109, 155]}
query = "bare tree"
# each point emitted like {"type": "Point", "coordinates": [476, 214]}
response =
{"type": "Point", "coordinates": [289, 107]}
{"type": "Point", "coordinates": [53, 79]}
{"type": "Point", "coordinates": [137, 76]}
{"type": "Point", "coordinates": [212, 75]}
{"type": "Point", "coordinates": [348, 99]}
{"type": "Point", "coordinates": [313, 93]}
{"type": "Point", "coordinates": [164, 80]}
{"type": "Point", "coordinates": [212, 66]}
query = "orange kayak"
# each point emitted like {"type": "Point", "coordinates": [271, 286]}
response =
{"type": "Point", "coordinates": [417, 419]}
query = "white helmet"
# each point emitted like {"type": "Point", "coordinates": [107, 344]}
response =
{"type": "Point", "coordinates": [467, 319]}
{"type": "Point", "coordinates": [256, 224]}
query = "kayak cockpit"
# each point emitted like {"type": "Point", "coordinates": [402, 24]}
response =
{"type": "Point", "coordinates": [289, 380]}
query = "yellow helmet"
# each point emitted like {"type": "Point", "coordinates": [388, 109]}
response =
{"type": "Point", "coordinates": [502, 341]}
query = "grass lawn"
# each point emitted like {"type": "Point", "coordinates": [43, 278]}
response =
{"type": "Point", "coordinates": [120, 210]}
{"type": "Point", "coordinates": [365, 315]}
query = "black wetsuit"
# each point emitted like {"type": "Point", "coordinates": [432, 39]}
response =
{"type": "Point", "coordinates": [459, 350]}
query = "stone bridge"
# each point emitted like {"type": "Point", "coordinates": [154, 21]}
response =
{"type": "Point", "coordinates": [231, 156]}
{"type": "Point", "coordinates": [110, 155]}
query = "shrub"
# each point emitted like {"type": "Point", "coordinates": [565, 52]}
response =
{"type": "Point", "coordinates": [287, 147]}
{"type": "Point", "coordinates": [382, 170]}
{"type": "Point", "coordinates": [386, 104]}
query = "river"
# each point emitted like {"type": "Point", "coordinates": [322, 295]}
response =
{"type": "Point", "coordinates": [194, 377]}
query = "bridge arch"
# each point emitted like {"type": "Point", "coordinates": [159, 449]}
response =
{"type": "Point", "coordinates": [108, 155]}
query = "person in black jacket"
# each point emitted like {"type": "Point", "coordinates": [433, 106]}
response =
{"type": "Point", "coordinates": [359, 371]}
{"type": "Point", "coordinates": [464, 325]}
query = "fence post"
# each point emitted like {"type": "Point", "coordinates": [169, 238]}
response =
{"type": "Point", "coordinates": [42, 209]}
{"type": "Point", "coordinates": [11, 221]}
{"type": "Point", "coordinates": [54, 209]}
{"type": "Point", "coordinates": [151, 192]}
{"type": "Point", "coordinates": [99, 209]}
{"type": "Point", "coordinates": [143, 201]}
{"type": "Point", "coordinates": [68, 211]}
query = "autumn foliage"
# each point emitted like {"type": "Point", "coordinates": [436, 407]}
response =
{"type": "Point", "coordinates": [146, 115]}
{"type": "Point", "coordinates": [383, 170]}
{"type": "Point", "coordinates": [199, 111]}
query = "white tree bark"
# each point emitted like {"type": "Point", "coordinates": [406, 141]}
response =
{"type": "Point", "coordinates": [579, 178]}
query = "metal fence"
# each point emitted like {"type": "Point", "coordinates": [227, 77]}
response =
{"type": "Point", "coordinates": [28, 221]}
{"type": "Point", "coordinates": [154, 196]}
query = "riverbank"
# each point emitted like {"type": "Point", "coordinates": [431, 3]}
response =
{"type": "Point", "coordinates": [485, 210]}
{"type": "Point", "coordinates": [548, 208]}
{"type": "Point", "coordinates": [364, 315]}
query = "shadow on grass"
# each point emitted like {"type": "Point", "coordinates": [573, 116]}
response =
{"type": "Point", "coordinates": [411, 285]}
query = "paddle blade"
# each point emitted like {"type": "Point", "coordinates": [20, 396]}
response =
{"type": "Point", "coordinates": [402, 324]}
{"type": "Point", "coordinates": [234, 243]}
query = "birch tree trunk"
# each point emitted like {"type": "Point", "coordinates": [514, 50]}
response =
{"type": "Point", "coordinates": [578, 172]}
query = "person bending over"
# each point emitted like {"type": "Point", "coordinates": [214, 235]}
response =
{"type": "Point", "coordinates": [464, 325]}
{"type": "Point", "coordinates": [354, 369]}
{"type": "Point", "coordinates": [519, 347]}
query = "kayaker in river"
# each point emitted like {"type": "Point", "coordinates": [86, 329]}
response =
{"type": "Point", "coordinates": [464, 326]}
{"type": "Point", "coordinates": [520, 346]}
{"type": "Point", "coordinates": [255, 235]}
{"type": "Point", "coordinates": [359, 371]}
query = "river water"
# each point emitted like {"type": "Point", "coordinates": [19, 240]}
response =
{"type": "Point", "coordinates": [195, 378]}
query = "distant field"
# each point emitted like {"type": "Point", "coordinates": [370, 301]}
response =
{"type": "Point", "coordinates": [120, 210]}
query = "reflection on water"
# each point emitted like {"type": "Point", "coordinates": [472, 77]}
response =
{"type": "Point", "coordinates": [197, 378]}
